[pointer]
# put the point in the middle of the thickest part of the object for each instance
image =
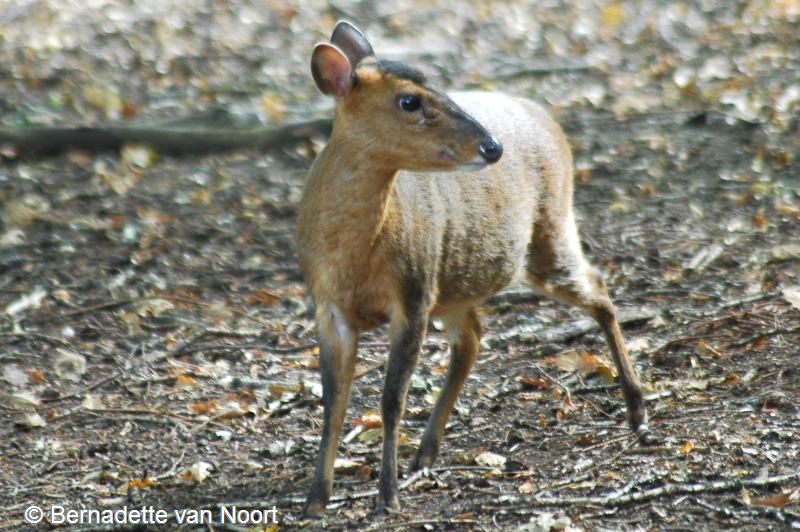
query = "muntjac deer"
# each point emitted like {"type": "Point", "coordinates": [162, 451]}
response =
{"type": "Point", "coordinates": [414, 209]}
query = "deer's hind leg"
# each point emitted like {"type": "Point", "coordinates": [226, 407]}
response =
{"type": "Point", "coordinates": [558, 269]}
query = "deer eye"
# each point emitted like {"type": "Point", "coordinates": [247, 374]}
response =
{"type": "Point", "coordinates": [409, 102]}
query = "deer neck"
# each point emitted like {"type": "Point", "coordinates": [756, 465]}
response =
{"type": "Point", "coordinates": [353, 192]}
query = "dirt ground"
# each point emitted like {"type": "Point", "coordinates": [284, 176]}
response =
{"type": "Point", "coordinates": [157, 344]}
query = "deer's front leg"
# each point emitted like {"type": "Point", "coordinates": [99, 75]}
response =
{"type": "Point", "coordinates": [408, 333]}
{"type": "Point", "coordinates": [464, 331]}
{"type": "Point", "coordinates": [338, 344]}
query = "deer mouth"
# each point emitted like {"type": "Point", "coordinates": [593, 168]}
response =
{"type": "Point", "coordinates": [448, 154]}
{"type": "Point", "coordinates": [472, 166]}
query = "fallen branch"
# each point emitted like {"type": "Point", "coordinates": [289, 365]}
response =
{"type": "Point", "coordinates": [569, 331]}
{"type": "Point", "coordinates": [620, 499]}
{"type": "Point", "coordinates": [514, 296]}
{"type": "Point", "coordinates": [540, 70]}
{"type": "Point", "coordinates": [167, 139]}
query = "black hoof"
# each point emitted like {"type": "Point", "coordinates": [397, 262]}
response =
{"type": "Point", "coordinates": [314, 509]}
{"type": "Point", "coordinates": [419, 464]}
{"type": "Point", "coordinates": [645, 436]}
{"type": "Point", "coordinates": [388, 504]}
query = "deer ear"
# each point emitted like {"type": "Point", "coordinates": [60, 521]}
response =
{"type": "Point", "coordinates": [352, 42]}
{"type": "Point", "coordinates": [332, 71]}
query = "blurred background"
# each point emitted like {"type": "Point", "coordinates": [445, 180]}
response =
{"type": "Point", "coordinates": [155, 333]}
{"type": "Point", "coordinates": [86, 61]}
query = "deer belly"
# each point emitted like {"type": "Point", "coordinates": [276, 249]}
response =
{"type": "Point", "coordinates": [478, 271]}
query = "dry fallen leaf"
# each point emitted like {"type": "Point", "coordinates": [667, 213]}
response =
{"type": "Point", "coordinates": [19, 401]}
{"type": "Point", "coordinates": [745, 496]}
{"type": "Point", "coordinates": [612, 16]}
{"type": "Point", "coordinates": [586, 363]}
{"type": "Point", "coordinates": [69, 366]}
{"type": "Point", "coordinates": [206, 407]}
{"type": "Point", "coordinates": [140, 483]}
{"type": "Point", "coordinates": [231, 409]}
{"type": "Point", "coordinates": [606, 373]}
{"type": "Point", "coordinates": [276, 390]}
{"type": "Point", "coordinates": [197, 472]}
{"type": "Point", "coordinates": [13, 237]}
{"type": "Point", "coordinates": [23, 211]}
{"type": "Point", "coordinates": [787, 208]}
{"type": "Point", "coordinates": [639, 344]}
{"type": "Point", "coordinates": [184, 380]}
{"type": "Point", "coordinates": [13, 375]}
{"type": "Point", "coordinates": [104, 98]}
{"type": "Point", "coordinates": [792, 296]}
{"type": "Point", "coordinates": [567, 360]}
{"type": "Point", "coordinates": [264, 297]}
{"type": "Point", "coordinates": [138, 155]}
{"type": "Point", "coordinates": [371, 435]}
{"type": "Point", "coordinates": [35, 376]}
{"type": "Point", "coordinates": [526, 487]}
{"type": "Point", "coordinates": [345, 465]}
{"type": "Point", "coordinates": [490, 459]}
{"type": "Point", "coordinates": [535, 383]}
{"type": "Point", "coordinates": [778, 500]}
{"type": "Point", "coordinates": [31, 420]}
{"type": "Point", "coordinates": [92, 402]}
{"type": "Point", "coordinates": [201, 196]}
{"type": "Point", "coordinates": [369, 420]}
{"type": "Point", "coordinates": [686, 448]}
{"type": "Point", "coordinates": [731, 379]}
{"type": "Point", "coordinates": [546, 522]}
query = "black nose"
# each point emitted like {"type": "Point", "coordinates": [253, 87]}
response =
{"type": "Point", "coordinates": [491, 150]}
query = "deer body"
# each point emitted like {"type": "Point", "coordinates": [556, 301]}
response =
{"type": "Point", "coordinates": [477, 225]}
{"type": "Point", "coordinates": [412, 212]}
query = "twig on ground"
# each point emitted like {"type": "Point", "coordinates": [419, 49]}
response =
{"type": "Point", "coordinates": [172, 471]}
{"type": "Point", "coordinates": [764, 334]}
{"type": "Point", "coordinates": [37, 336]}
{"type": "Point", "coordinates": [77, 395]}
{"type": "Point", "coordinates": [240, 347]}
{"type": "Point", "coordinates": [420, 522]}
{"type": "Point", "coordinates": [602, 388]}
{"type": "Point", "coordinates": [107, 305]}
{"type": "Point", "coordinates": [588, 473]}
{"type": "Point", "coordinates": [678, 341]}
{"type": "Point", "coordinates": [650, 450]}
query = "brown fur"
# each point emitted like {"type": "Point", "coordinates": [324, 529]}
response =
{"type": "Point", "coordinates": [381, 238]}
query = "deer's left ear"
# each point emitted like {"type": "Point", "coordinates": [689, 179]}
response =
{"type": "Point", "coordinates": [352, 42]}
{"type": "Point", "coordinates": [332, 71]}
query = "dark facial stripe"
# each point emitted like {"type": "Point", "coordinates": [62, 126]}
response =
{"type": "Point", "coordinates": [458, 114]}
{"type": "Point", "coordinates": [402, 71]}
